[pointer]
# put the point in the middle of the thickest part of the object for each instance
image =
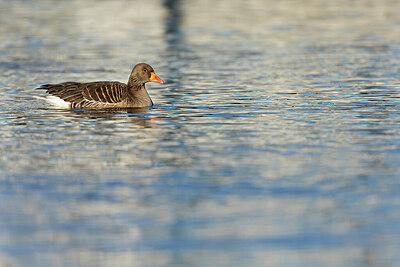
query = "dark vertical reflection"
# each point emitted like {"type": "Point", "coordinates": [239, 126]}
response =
{"type": "Point", "coordinates": [174, 44]}
{"type": "Point", "coordinates": [175, 63]}
{"type": "Point", "coordinates": [173, 21]}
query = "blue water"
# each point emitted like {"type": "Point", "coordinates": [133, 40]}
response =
{"type": "Point", "coordinates": [274, 142]}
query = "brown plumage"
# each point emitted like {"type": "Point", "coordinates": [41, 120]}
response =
{"type": "Point", "coordinates": [107, 94]}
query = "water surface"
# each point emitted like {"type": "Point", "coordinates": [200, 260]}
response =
{"type": "Point", "coordinates": [274, 142]}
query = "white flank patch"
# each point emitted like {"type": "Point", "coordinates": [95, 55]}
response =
{"type": "Point", "coordinates": [56, 101]}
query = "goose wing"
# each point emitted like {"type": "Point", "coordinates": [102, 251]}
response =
{"type": "Point", "coordinates": [88, 94]}
{"type": "Point", "coordinates": [104, 92]}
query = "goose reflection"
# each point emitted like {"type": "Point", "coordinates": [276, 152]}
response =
{"type": "Point", "coordinates": [135, 116]}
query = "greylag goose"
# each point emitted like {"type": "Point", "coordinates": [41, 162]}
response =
{"type": "Point", "coordinates": [103, 94]}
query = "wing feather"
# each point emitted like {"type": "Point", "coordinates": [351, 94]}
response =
{"type": "Point", "coordinates": [103, 92]}
{"type": "Point", "coordinates": [88, 94]}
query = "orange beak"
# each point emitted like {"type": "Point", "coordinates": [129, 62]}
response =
{"type": "Point", "coordinates": [155, 78]}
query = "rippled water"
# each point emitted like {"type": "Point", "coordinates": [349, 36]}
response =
{"type": "Point", "coordinates": [274, 142]}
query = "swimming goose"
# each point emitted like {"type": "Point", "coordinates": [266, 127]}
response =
{"type": "Point", "coordinates": [102, 94]}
